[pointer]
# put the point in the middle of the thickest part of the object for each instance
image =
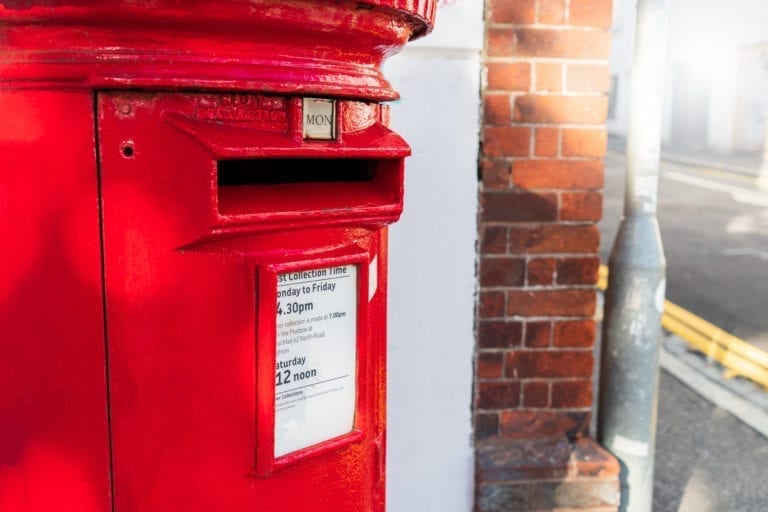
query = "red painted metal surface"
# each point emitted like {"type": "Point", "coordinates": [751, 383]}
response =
{"type": "Point", "coordinates": [191, 291]}
{"type": "Point", "coordinates": [290, 46]}
{"type": "Point", "coordinates": [53, 424]}
{"type": "Point", "coordinates": [137, 288]}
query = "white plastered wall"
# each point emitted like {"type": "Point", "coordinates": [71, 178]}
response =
{"type": "Point", "coordinates": [432, 267]}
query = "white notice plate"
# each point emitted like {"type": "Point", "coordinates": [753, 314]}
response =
{"type": "Point", "coordinates": [315, 364]}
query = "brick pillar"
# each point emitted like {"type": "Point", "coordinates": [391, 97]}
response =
{"type": "Point", "coordinates": [545, 105]}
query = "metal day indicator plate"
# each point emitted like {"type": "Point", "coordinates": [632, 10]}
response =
{"type": "Point", "coordinates": [319, 119]}
{"type": "Point", "coordinates": [316, 359]}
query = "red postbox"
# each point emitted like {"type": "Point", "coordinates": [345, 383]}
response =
{"type": "Point", "coordinates": [193, 208]}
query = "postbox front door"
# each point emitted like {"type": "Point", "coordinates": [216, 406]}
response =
{"type": "Point", "coordinates": [245, 278]}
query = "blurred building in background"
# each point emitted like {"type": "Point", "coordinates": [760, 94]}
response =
{"type": "Point", "coordinates": [717, 75]}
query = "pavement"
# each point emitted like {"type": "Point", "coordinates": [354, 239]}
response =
{"type": "Point", "coordinates": [712, 436]}
{"type": "Point", "coordinates": [707, 459]}
{"type": "Point", "coordinates": [747, 164]}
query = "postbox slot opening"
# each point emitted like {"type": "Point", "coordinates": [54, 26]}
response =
{"type": "Point", "coordinates": [258, 186]}
{"type": "Point", "coordinates": [276, 171]}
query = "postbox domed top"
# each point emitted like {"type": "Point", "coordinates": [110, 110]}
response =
{"type": "Point", "coordinates": [321, 47]}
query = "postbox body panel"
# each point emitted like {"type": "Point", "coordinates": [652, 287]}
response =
{"type": "Point", "coordinates": [193, 312]}
{"type": "Point", "coordinates": [54, 447]}
{"type": "Point", "coordinates": [194, 271]}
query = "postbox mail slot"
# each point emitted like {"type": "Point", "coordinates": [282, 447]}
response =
{"type": "Point", "coordinates": [280, 171]}
{"type": "Point", "coordinates": [307, 185]}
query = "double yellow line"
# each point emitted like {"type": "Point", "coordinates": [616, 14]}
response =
{"type": "Point", "coordinates": [736, 355]}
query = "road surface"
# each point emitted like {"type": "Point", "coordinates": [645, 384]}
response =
{"type": "Point", "coordinates": [714, 226]}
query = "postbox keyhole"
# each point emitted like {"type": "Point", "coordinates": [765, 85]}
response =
{"type": "Point", "coordinates": [127, 150]}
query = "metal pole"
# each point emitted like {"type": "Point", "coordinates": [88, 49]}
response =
{"type": "Point", "coordinates": [635, 297]}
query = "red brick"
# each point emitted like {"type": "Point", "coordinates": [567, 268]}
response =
{"type": "Point", "coordinates": [558, 174]}
{"type": "Point", "coordinates": [491, 304]}
{"type": "Point", "coordinates": [509, 76]}
{"type": "Point", "coordinates": [554, 239]}
{"type": "Point", "coordinates": [499, 334]}
{"type": "Point", "coordinates": [520, 462]}
{"type": "Point", "coordinates": [592, 495]}
{"type": "Point", "coordinates": [553, 108]}
{"type": "Point", "coordinates": [535, 394]}
{"type": "Point", "coordinates": [584, 142]}
{"type": "Point", "coordinates": [490, 365]}
{"type": "Point", "coordinates": [547, 141]}
{"type": "Point", "coordinates": [502, 271]}
{"type": "Point", "coordinates": [544, 424]}
{"type": "Point", "coordinates": [579, 333]}
{"type": "Point", "coordinates": [544, 42]}
{"type": "Point", "coordinates": [552, 12]}
{"type": "Point", "coordinates": [581, 206]}
{"type": "Point", "coordinates": [495, 173]}
{"type": "Point", "coordinates": [539, 364]}
{"type": "Point", "coordinates": [541, 271]}
{"type": "Point", "coordinates": [494, 240]}
{"type": "Point", "coordinates": [572, 394]}
{"type": "Point", "coordinates": [592, 460]}
{"type": "Point", "coordinates": [498, 395]}
{"type": "Point", "coordinates": [551, 303]}
{"type": "Point", "coordinates": [501, 42]}
{"type": "Point", "coordinates": [486, 425]}
{"type": "Point", "coordinates": [517, 11]}
{"type": "Point", "coordinates": [518, 206]}
{"type": "Point", "coordinates": [578, 270]}
{"type": "Point", "coordinates": [549, 77]}
{"type": "Point", "coordinates": [543, 474]}
{"type": "Point", "coordinates": [588, 78]}
{"type": "Point", "coordinates": [538, 334]}
{"type": "Point", "coordinates": [591, 13]}
{"type": "Point", "coordinates": [507, 141]}
{"type": "Point", "coordinates": [497, 109]}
